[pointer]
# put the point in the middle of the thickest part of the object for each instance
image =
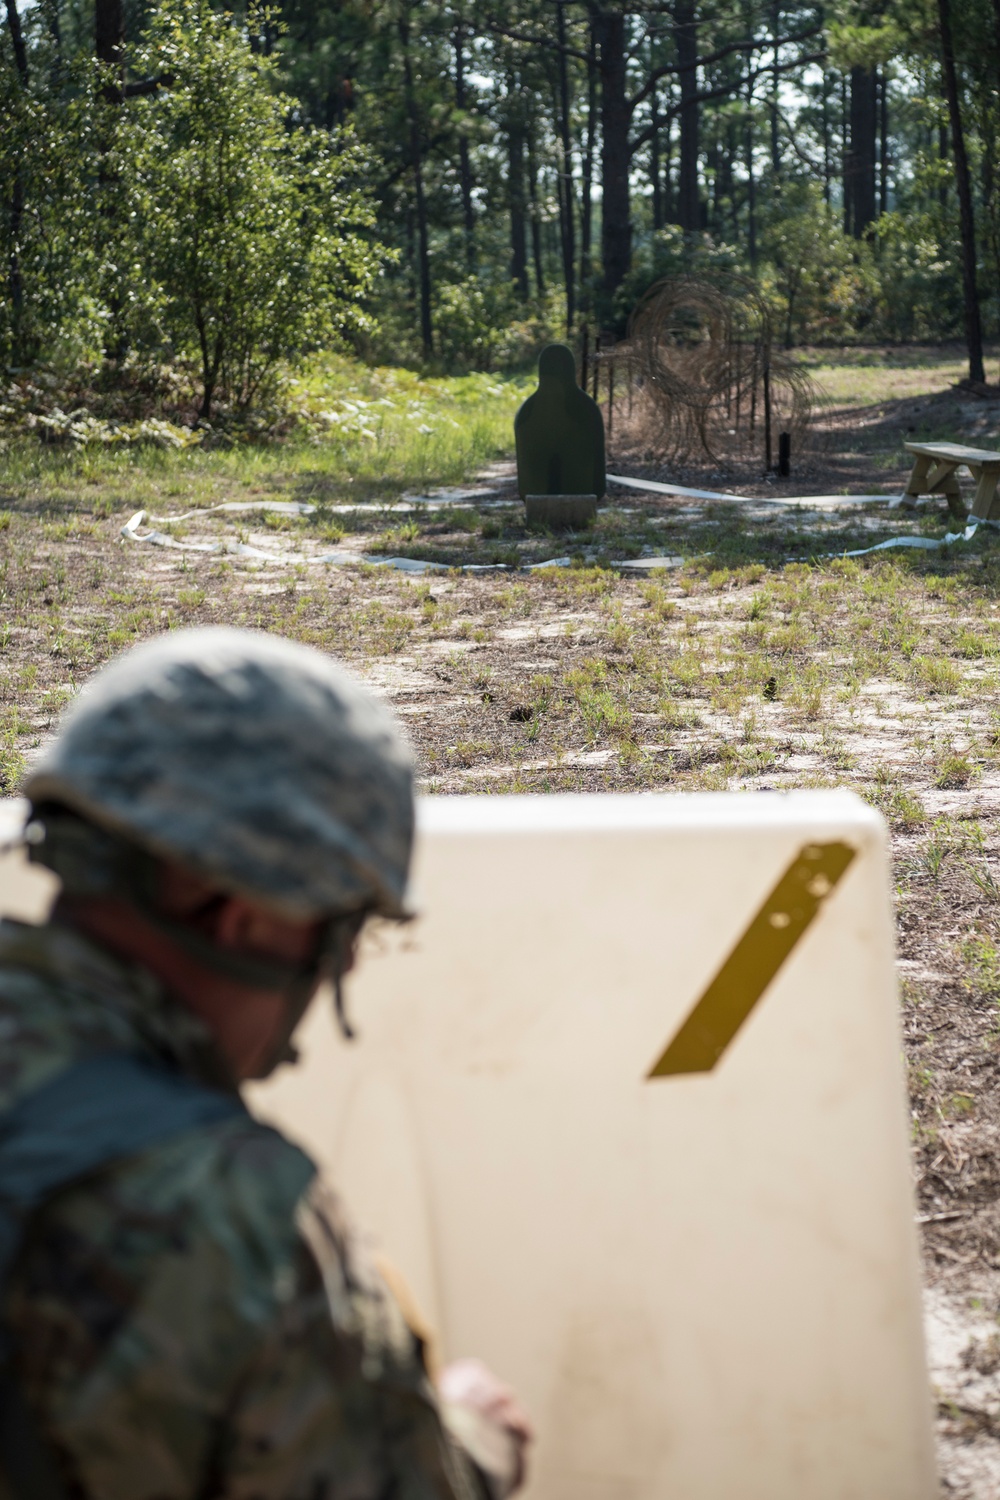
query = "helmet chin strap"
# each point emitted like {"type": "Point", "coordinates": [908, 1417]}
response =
{"type": "Point", "coordinates": [347, 1031]}
{"type": "Point", "coordinates": [333, 957]}
{"type": "Point", "coordinates": [95, 862]}
{"type": "Point", "coordinates": [330, 959]}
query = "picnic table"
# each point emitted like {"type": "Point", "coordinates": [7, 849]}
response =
{"type": "Point", "coordinates": [935, 472]}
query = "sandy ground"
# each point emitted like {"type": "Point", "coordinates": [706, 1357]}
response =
{"type": "Point", "coordinates": [727, 668]}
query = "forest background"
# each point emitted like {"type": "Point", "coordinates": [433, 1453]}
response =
{"type": "Point", "coordinates": [188, 193]}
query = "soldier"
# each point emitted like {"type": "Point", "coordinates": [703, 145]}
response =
{"type": "Point", "coordinates": [186, 1312]}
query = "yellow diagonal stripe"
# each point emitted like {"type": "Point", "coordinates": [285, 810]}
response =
{"type": "Point", "coordinates": [756, 959]}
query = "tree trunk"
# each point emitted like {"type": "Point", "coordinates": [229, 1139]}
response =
{"type": "Point", "coordinates": [464, 164]}
{"type": "Point", "coordinates": [587, 187]}
{"type": "Point", "coordinates": [845, 157]}
{"type": "Point", "coordinates": [710, 179]}
{"type": "Point", "coordinates": [827, 168]}
{"type": "Point", "coordinates": [725, 193]}
{"type": "Point", "coordinates": [109, 52]}
{"type": "Point", "coordinates": [616, 223]}
{"type": "Point", "coordinates": [751, 183]}
{"type": "Point", "coordinates": [973, 322]}
{"type": "Point", "coordinates": [417, 168]}
{"type": "Point", "coordinates": [989, 188]}
{"type": "Point", "coordinates": [515, 193]}
{"type": "Point", "coordinates": [15, 282]}
{"type": "Point", "coordinates": [536, 218]}
{"type": "Point", "coordinates": [566, 225]}
{"type": "Point", "coordinates": [210, 362]}
{"type": "Point", "coordinates": [793, 287]}
{"type": "Point", "coordinates": [989, 157]}
{"type": "Point", "coordinates": [686, 32]}
{"type": "Point", "coordinates": [713, 172]}
{"type": "Point", "coordinates": [862, 152]}
{"type": "Point", "coordinates": [52, 21]}
{"type": "Point", "coordinates": [339, 101]}
{"type": "Point", "coordinates": [17, 42]}
{"type": "Point", "coordinates": [883, 144]}
{"type": "Point", "coordinates": [655, 180]}
{"type": "Point", "coordinates": [669, 197]}
{"type": "Point", "coordinates": [109, 46]}
{"type": "Point", "coordinates": [775, 80]}
{"type": "Point", "coordinates": [411, 253]}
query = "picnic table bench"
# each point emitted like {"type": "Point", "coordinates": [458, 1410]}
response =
{"type": "Point", "coordinates": [935, 467]}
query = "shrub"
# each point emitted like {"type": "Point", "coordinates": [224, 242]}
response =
{"type": "Point", "coordinates": [251, 230]}
{"type": "Point", "coordinates": [48, 310]}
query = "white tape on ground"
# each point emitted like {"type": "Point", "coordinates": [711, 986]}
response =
{"type": "Point", "coordinates": [283, 507]}
{"type": "Point", "coordinates": [830, 502]}
{"type": "Point", "coordinates": [420, 565]}
{"type": "Point", "coordinates": [644, 564]}
{"type": "Point", "coordinates": [130, 533]}
{"type": "Point", "coordinates": [827, 502]}
{"type": "Point", "coordinates": [925, 543]}
{"type": "Point", "coordinates": [405, 506]}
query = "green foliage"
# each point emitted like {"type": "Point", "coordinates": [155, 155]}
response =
{"type": "Point", "coordinates": [919, 278]}
{"type": "Point", "coordinates": [250, 230]}
{"type": "Point", "coordinates": [217, 205]}
{"type": "Point", "coordinates": [982, 963]}
{"type": "Point", "coordinates": [671, 252]}
{"type": "Point", "coordinates": [853, 44]}
{"type": "Point", "coordinates": [822, 280]}
{"type": "Point", "coordinates": [475, 321]}
{"type": "Point", "coordinates": [187, 219]}
{"type": "Point", "coordinates": [48, 309]}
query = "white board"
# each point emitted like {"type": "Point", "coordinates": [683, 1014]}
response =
{"type": "Point", "coordinates": [26, 891]}
{"type": "Point", "coordinates": [704, 1286]}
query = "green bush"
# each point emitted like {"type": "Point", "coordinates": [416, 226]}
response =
{"type": "Point", "coordinates": [252, 232]}
{"type": "Point", "coordinates": [820, 281]}
{"type": "Point", "coordinates": [48, 306]}
{"type": "Point", "coordinates": [473, 320]}
{"type": "Point", "coordinates": [669, 252]}
{"type": "Point", "coordinates": [482, 326]}
{"type": "Point", "coordinates": [919, 277]}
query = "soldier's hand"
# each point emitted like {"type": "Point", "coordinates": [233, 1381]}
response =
{"type": "Point", "coordinates": [489, 1421]}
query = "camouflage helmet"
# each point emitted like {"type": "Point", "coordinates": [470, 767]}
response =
{"type": "Point", "coordinates": [256, 762]}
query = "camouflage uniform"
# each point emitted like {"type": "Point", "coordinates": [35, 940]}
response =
{"type": "Point", "coordinates": [197, 1320]}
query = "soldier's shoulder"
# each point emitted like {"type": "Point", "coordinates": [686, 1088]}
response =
{"type": "Point", "coordinates": [235, 1183]}
{"type": "Point", "coordinates": [51, 1010]}
{"type": "Point", "coordinates": [64, 998]}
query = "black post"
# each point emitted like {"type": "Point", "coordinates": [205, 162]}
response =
{"type": "Point", "coordinates": [611, 396]}
{"type": "Point", "coordinates": [768, 463]}
{"type": "Point", "coordinates": [967, 223]}
{"type": "Point", "coordinates": [784, 454]}
{"type": "Point", "coordinates": [753, 394]}
{"type": "Point", "coordinates": [739, 372]}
